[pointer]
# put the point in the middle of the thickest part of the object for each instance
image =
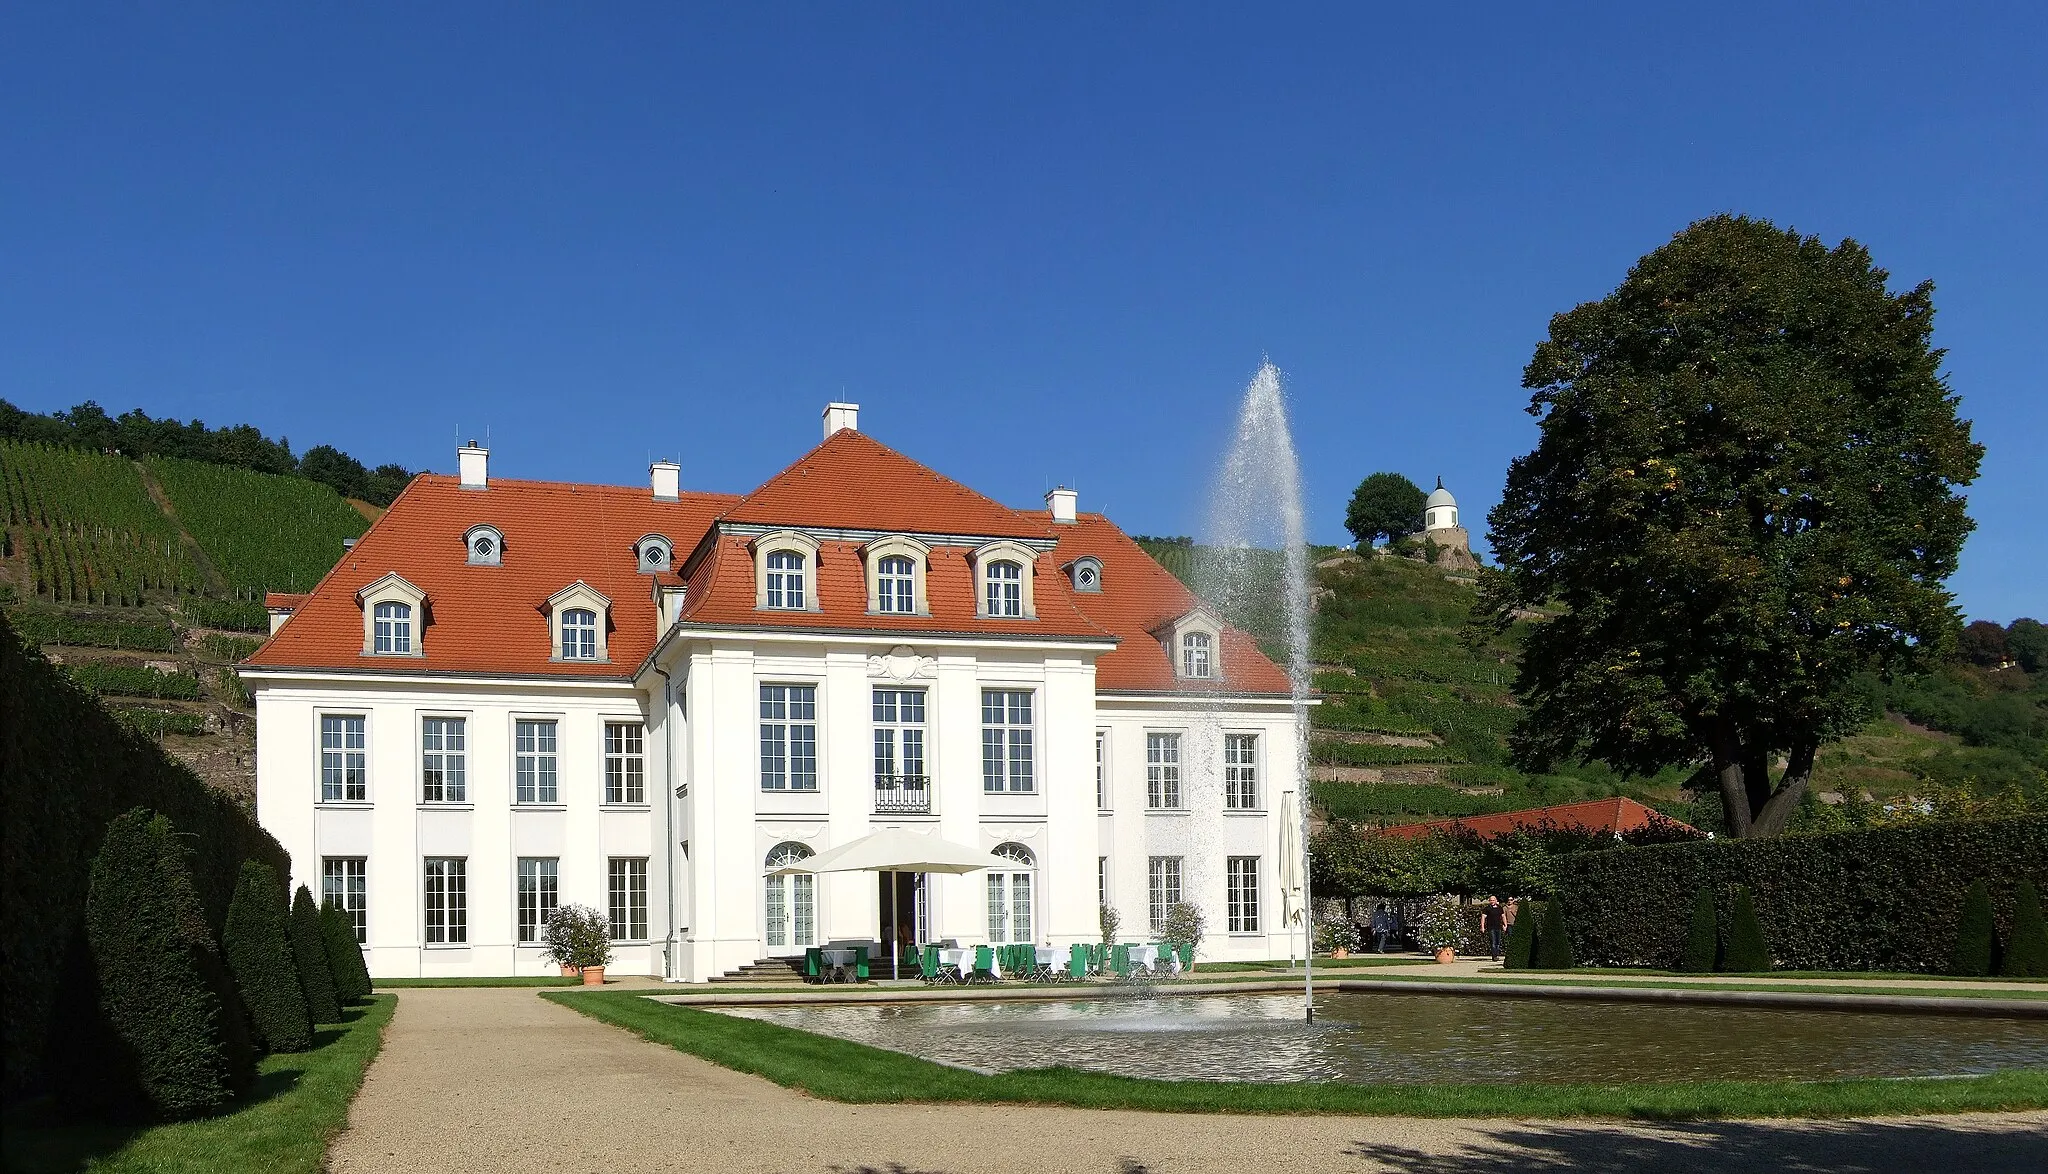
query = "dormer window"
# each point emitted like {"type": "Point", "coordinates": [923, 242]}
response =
{"type": "Point", "coordinates": [1002, 581]}
{"type": "Point", "coordinates": [579, 634]}
{"type": "Point", "coordinates": [653, 554]}
{"type": "Point", "coordinates": [1004, 589]}
{"type": "Point", "coordinates": [896, 585]}
{"type": "Point", "coordinates": [486, 546]}
{"type": "Point", "coordinates": [393, 629]}
{"type": "Point", "coordinates": [577, 619]}
{"type": "Point", "coordinates": [1195, 654]}
{"type": "Point", "coordinates": [895, 569]}
{"type": "Point", "coordinates": [1086, 573]}
{"type": "Point", "coordinates": [394, 617]}
{"type": "Point", "coordinates": [1193, 643]}
{"type": "Point", "coordinates": [786, 579]}
{"type": "Point", "coordinates": [786, 572]}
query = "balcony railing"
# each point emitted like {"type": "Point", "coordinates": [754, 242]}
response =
{"type": "Point", "coordinates": [903, 795]}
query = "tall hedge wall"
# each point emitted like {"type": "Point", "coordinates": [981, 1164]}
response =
{"type": "Point", "coordinates": [1884, 899]}
{"type": "Point", "coordinates": [67, 768]}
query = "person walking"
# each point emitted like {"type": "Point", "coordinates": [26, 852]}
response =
{"type": "Point", "coordinates": [1382, 925]}
{"type": "Point", "coordinates": [1495, 922]}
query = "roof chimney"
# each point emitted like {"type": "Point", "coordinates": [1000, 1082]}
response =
{"type": "Point", "coordinates": [472, 461]}
{"type": "Point", "coordinates": [838, 416]}
{"type": "Point", "coordinates": [1061, 502]}
{"type": "Point", "coordinates": [667, 477]}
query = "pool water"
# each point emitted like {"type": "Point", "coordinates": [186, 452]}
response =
{"type": "Point", "coordinates": [1383, 1038]}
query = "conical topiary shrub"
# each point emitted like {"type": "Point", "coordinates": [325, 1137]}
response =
{"type": "Point", "coordinates": [309, 951]}
{"type": "Point", "coordinates": [344, 955]}
{"type": "Point", "coordinates": [1976, 945]}
{"type": "Point", "coordinates": [1746, 953]}
{"type": "Point", "coordinates": [259, 952]}
{"type": "Point", "coordinates": [164, 991]}
{"type": "Point", "coordinates": [1521, 937]}
{"type": "Point", "coordinates": [1703, 939]}
{"type": "Point", "coordinates": [1553, 947]}
{"type": "Point", "coordinates": [2026, 954]}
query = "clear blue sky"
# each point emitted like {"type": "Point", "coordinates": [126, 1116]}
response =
{"type": "Point", "coordinates": [1034, 247]}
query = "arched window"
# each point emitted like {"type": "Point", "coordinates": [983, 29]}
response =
{"type": "Point", "coordinates": [1009, 895]}
{"type": "Point", "coordinates": [394, 627]}
{"type": "Point", "coordinates": [1005, 588]}
{"type": "Point", "coordinates": [896, 585]}
{"type": "Point", "coordinates": [785, 579]}
{"type": "Point", "coordinates": [1194, 654]}
{"type": "Point", "coordinates": [579, 634]}
{"type": "Point", "coordinates": [789, 903]}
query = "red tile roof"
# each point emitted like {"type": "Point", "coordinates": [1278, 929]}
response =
{"type": "Point", "coordinates": [854, 482]}
{"type": "Point", "coordinates": [1616, 816]}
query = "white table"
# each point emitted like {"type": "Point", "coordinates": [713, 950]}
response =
{"type": "Point", "coordinates": [961, 962]}
{"type": "Point", "coordinates": [1145, 956]}
{"type": "Point", "coordinates": [840, 960]}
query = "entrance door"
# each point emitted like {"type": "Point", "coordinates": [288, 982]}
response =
{"type": "Point", "coordinates": [789, 904]}
{"type": "Point", "coordinates": [904, 919]}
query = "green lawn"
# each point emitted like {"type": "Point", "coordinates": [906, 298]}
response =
{"type": "Point", "coordinates": [399, 984]}
{"type": "Point", "coordinates": [300, 1102]}
{"type": "Point", "coordinates": [844, 1071]}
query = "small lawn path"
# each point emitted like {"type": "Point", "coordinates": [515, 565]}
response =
{"type": "Point", "coordinates": [501, 1079]}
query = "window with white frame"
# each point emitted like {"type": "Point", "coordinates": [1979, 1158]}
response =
{"type": "Point", "coordinates": [447, 904]}
{"type": "Point", "coordinates": [1102, 880]}
{"type": "Point", "coordinates": [1006, 744]}
{"type": "Point", "coordinates": [539, 891]}
{"type": "Point", "coordinates": [1194, 654]}
{"type": "Point", "coordinates": [345, 884]}
{"type": "Point", "coordinates": [896, 585]}
{"type": "Point", "coordinates": [1009, 896]}
{"type": "Point", "coordinates": [444, 760]}
{"type": "Point", "coordinates": [344, 759]}
{"type": "Point", "coordinates": [393, 627]}
{"type": "Point", "coordinates": [789, 737]}
{"type": "Point", "coordinates": [785, 579]}
{"type": "Point", "coordinates": [899, 737]}
{"type": "Point", "coordinates": [789, 902]}
{"type": "Point", "coordinates": [1162, 772]}
{"type": "Point", "coordinates": [628, 891]}
{"type": "Point", "coordinates": [534, 762]}
{"type": "Point", "coordinates": [625, 764]}
{"type": "Point", "coordinates": [1101, 771]}
{"type": "Point", "coordinates": [1241, 772]}
{"type": "Point", "coordinates": [1005, 588]}
{"type": "Point", "coordinates": [1241, 893]}
{"type": "Point", "coordinates": [579, 634]}
{"type": "Point", "coordinates": [1162, 887]}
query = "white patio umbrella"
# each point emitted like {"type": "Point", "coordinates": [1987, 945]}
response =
{"type": "Point", "coordinates": [894, 850]}
{"type": "Point", "coordinates": [1290, 864]}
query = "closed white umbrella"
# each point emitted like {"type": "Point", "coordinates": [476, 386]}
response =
{"type": "Point", "coordinates": [1290, 864]}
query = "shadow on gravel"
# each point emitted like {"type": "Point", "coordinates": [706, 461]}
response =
{"type": "Point", "coordinates": [1808, 1147]}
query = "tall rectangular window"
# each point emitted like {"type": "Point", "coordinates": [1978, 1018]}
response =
{"type": "Point", "coordinates": [539, 890]}
{"type": "Point", "coordinates": [344, 881]}
{"type": "Point", "coordinates": [625, 763]}
{"type": "Point", "coordinates": [1162, 771]}
{"type": "Point", "coordinates": [344, 759]}
{"type": "Point", "coordinates": [444, 759]}
{"type": "Point", "coordinates": [1102, 880]}
{"type": "Point", "coordinates": [789, 737]}
{"type": "Point", "coordinates": [1006, 741]}
{"type": "Point", "coordinates": [899, 734]}
{"type": "Point", "coordinates": [1163, 887]}
{"type": "Point", "coordinates": [629, 898]}
{"type": "Point", "coordinates": [1241, 885]}
{"type": "Point", "coordinates": [447, 889]}
{"type": "Point", "coordinates": [534, 762]}
{"type": "Point", "coordinates": [1241, 772]}
{"type": "Point", "coordinates": [1101, 772]}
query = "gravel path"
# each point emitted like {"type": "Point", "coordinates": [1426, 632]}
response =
{"type": "Point", "coordinates": [500, 1079]}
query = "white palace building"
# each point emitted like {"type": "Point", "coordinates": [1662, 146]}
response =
{"type": "Point", "coordinates": [510, 694]}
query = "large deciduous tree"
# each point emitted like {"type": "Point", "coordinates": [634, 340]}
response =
{"type": "Point", "coordinates": [1745, 494]}
{"type": "Point", "coordinates": [1385, 505]}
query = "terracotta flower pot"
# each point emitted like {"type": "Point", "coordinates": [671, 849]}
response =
{"type": "Point", "coordinates": [568, 971]}
{"type": "Point", "coordinates": [1444, 954]}
{"type": "Point", "coordinates": [593, 976]}
{"type": "Point", "coordinates": [1340, 952]}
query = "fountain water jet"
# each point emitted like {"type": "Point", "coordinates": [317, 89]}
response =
{"type": "Point", "coordinates": [1256, 510]}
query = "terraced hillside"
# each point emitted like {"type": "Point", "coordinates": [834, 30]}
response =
{"type": "Point", "coordinates": [145, 579]}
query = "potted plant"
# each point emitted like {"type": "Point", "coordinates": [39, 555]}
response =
{"type": "Point", "coordinates": [1182, 931]}
{"type": "Point", "coordinates": [580, 939]}
{"type": "Point", "coordinates": [1334, 937]}
{"type": "Point", "coordinates": [1437, 927]}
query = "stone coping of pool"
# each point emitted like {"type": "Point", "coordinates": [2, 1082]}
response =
{"type": "Point", "coordinates": [1783, 999]}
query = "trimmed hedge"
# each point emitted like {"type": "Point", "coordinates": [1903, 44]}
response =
{"type": "Point", "coordinates": [259, 952]}
{"type": "Point", "coordinates": [1553, 950]}
{"type": "Point", "coordinates": [1703, 940]}
{"type": "Point", "coordinates": [344, 955]}
{"type": "Point", "coordinates": [67, 768]}
{"type": "Point", "coordinates": [2026, 950]}
{"type": "Point", "coordinates": [1976, 948]}
{"type": "Point", "coordinates": [163, 990]}
{"type": "Point", "coordinates": [309, 952]}
{"type": "Point", "coordinates": [1747, 952]}
{"type": "Point", "coordinates": [1881, 899]}
{"type": "Point", "coordinates": [1521, 937]}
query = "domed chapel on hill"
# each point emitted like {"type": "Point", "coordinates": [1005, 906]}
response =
{"type": "Point", "coordinates": [1440, 521]}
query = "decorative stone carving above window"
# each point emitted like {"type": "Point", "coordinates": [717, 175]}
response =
{"type": "Point", "coordinates": [579, 623]}
{"type": "Point", "coordinates": [486, 546]}
{"type": "Point", "coordinates": [904, 664]}
{"type": "Point", "coordinates": [1002, 581]}
{"type": "Point", "coordinates": [404, 619]}
{"type": "Point", "coordinates": [786, 571]}
{"type": "Point", "coordinates": [654, 554]}
{"type": "Point", "coordinates": [896, 568]}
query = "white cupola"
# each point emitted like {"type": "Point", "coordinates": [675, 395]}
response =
{"type": "Point", "coordinates": [1441, 511]}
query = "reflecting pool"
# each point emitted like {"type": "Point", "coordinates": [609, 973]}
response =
{"type": "Point", "coordinates": [1424, 1039]}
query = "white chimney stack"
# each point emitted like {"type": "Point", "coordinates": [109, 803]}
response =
{"type": "Point", "coordinates": [473, 463]}
{"type": "Point", "coordinates": [667, 477]}
{"type": "Point", "coordinates": [838, 416]}
{"type": "Point", "coordinates": [1061, 502]}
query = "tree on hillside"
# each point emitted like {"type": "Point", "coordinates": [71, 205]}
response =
{"type": "Point", "coordinates": [1982, 643]}
{"type": "Point", "coordinates": [2027, 640]}
{"type": "Point", "coordinates": [1744, 494]}
{"type": "Point", "coordinates": [1385, 505]}
{"type": "Point", "coordinates": [335, 469]}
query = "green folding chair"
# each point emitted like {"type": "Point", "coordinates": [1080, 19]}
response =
{"type": "Point", "coordinates": [814, 965]}
{"type": "Point", "coordinates": [1077, 961]}
{"type": "Point", "coordinates": [860, 964]}
{"type": "Point", "coordinates": [1098, 957]}
{"type": "Point", "coordinates": [1186, 950]}
{"type": "Point", "coordinates": [1120, 960]}
{"type": "Point", "coordinates": [983, 965]}
{"type": "Point", "coordinates": [928, 964]}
